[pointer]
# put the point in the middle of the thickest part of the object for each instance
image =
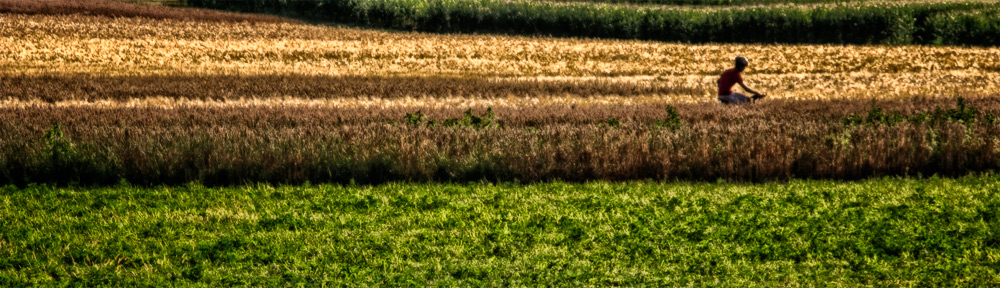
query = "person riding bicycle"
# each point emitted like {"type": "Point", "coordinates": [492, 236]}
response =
{"type": "Point", "coordinates": [731, 77]}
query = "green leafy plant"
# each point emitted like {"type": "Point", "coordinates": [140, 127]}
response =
{"type": "Point", "coordinates": [924, 230]}
{"type": "Point", "coordinates": [673, 120]}
{"type": "Point", "coordinates": [877, 116]}
{"type": "Point", "coordinates": [613, 122]}
{"type": "Point", "coordinates": [58, 151]}
{"type": "Point", "coordinates": [962, 113]}
{"type": "Point", "coordinates": [470, 119]}
{"type": "Point", "coordinates": [414, 119]}
{"type": "Point", "coordinates": [61, 161]}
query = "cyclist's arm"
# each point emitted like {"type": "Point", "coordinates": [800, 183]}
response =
{"type": "Point", "coordinates": [745, 88]}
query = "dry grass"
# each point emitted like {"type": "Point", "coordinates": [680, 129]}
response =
{"type": "Point", "coordinates": [230, 113]}
{"type": "Point", "coordinates": [230, 145]}
{"type": "Point", "coordinates": [55, 88]}
{"type": "Point", "coordinates": [319, 50]}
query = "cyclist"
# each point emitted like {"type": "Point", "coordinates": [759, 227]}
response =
{"type": "Point", "coordinates": [734, 76]}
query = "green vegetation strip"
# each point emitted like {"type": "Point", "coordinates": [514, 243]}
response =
{"type": "Point", "coordinates": [893, 231]}
{"type": "Point", "coordinates": [938, 23]}
{"type": "Point", "coordinates": [724, 3]}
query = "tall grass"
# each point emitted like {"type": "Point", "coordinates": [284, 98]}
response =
{"type": "Point", "coordinates": [56, 88]}
{"type": "Point", "coordinates": [223, 146]}
{"type": "Point", "coordinates": [853, 24]}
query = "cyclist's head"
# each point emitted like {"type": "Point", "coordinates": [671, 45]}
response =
{"type": "Point", "coordinates": [741, 63]}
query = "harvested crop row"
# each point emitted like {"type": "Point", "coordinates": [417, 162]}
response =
{"type": "Point", "coordinates": [110, 8]}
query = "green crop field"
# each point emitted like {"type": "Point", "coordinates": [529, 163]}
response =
{"type": "Point", "coordinates": [943, 22]}
{"type": "Point", "coordinates": [884, 232]}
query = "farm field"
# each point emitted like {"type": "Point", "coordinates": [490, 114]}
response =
{"type": "Point", "coordinates": [883, 232]}
{"type": "Point", "coordinates": [167, 101]}
{"type": "Point", "coordinates": [146, 144]}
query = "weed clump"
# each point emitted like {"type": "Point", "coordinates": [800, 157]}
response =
{"type": "Point", "coordinates": [612, 122]}
{"type": "Point", "coordinates": [961, 113]}
{"type": "Point", "coordinates": [469, 119]}
{"type": "Point", "coordinates": [673, 120]}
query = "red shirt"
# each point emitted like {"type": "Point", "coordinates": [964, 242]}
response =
{"type": "Point", "coordinates": [728, 79]}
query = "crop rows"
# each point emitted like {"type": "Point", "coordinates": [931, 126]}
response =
{"type": "Point", "coordinates": [50, 40]}
{"type": "Point", "coordinates": [65, 41]}
{"type": "Point", "coordinates": [107, 94]}
{"type": "Point", "coordinates": [57, 88]}
{"type": "Point", "coordinates": [856, 24]}
{"type": "Point", "coordinates": [135, 98]}
{"type": "Point", "coordinates": [90, 99]}
{"type": "Point", "coordinates": [354, 91]}
{"type": "Point", "coordinates": [185, 53]}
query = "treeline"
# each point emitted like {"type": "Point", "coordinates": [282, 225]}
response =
{"type": "Point", "coordinates": [949, 23]}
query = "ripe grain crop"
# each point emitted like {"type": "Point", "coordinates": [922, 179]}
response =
{"type": "Point", "coordinates": [55, 88]}
{"type": "Point", "coordinates": [41, 40]}
{"type": "Point", "coordinates": [111, 8]}
{"type": "Point", "coordinates": [232, 145]}
{"type": "Point", "coordinates": [343, 91]}
{"type": "Point", "coordinates": [45, 45]}
{"type": "Point", "coordinates": [96, 99]}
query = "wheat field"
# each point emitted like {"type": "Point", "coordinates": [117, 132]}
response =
{"type": "Point", "coordinates": [147, 145]}
{"type": "Point", "coordinates": [147, 99]}
{"type": "Point", "coordinates": [66, 45]}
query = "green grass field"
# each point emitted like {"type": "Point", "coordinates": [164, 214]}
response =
{"type": "Point", "coordinates": [885, 232]}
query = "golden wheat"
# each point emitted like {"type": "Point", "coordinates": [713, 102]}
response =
{"type": "Point", "coordinates": [173, 101]}
{"type": "Point", "coordinates": [134, 46]}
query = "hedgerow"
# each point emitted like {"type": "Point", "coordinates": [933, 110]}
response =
{"type": "Point", "coordinates": [948, 23]}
